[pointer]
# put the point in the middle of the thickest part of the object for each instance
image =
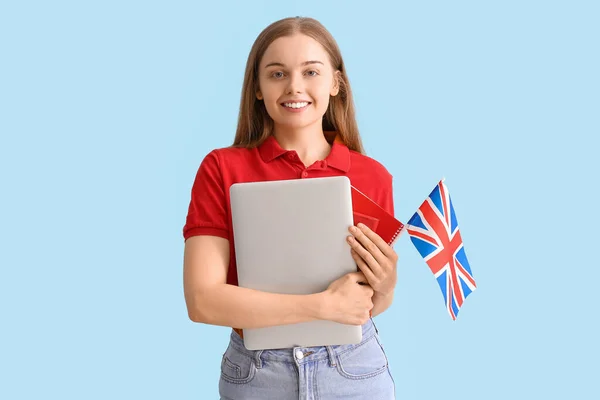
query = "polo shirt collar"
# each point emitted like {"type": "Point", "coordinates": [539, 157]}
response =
{"type": "Point", "coordinates": [339, 156]}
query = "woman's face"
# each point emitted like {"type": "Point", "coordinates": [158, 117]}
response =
{"type": "Point", "coordinates": [296, 80]}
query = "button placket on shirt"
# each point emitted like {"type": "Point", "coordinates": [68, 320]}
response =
{"type": "Point", "coordinates": [319, 165]}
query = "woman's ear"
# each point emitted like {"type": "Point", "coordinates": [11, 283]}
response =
{"type": "Point", "coordinates": [335, 87]}
{"type": "Point", "coordinates": [259, 95]}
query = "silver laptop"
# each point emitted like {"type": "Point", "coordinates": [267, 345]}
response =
{"type": "Point", "coordinates": [290, 238]}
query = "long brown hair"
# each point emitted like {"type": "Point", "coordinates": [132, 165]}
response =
{"type": "Point", "coordinates": [255, 124]}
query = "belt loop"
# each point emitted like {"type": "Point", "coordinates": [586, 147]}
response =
{"type": "Point", "coordinates": [332, 362]}
{"type": "Point", "coordinates": [257, 359]}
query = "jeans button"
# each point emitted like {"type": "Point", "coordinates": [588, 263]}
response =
{"type": "Point", "coordinates": [299, 354]}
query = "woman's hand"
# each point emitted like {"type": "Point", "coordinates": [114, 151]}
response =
{"type": "Point", "coordinates": [376, 259]}
{"type": "Point", "coordinates": [348, 300]}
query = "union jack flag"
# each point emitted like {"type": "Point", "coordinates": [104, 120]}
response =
{"type": "Point", "coordinates": [433, 230]}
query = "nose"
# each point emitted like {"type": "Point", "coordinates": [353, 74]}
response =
{"type": "Point", "coordinates": [295, 84]}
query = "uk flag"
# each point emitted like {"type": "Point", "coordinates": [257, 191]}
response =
{"type": "Point", "coordinates": [433, 230]}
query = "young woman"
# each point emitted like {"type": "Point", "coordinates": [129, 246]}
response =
{"type": "Point", "coordinates": [296, 121]}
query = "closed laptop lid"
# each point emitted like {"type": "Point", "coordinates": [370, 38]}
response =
{"type": "Point", "coordinates": [290, 238]}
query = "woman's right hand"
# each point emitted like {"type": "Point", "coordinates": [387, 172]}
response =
{"type": "Point", "coordinates": [347, 301]}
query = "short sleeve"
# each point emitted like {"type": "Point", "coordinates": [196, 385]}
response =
{"type": "Point", "coordinates": [207, 212]}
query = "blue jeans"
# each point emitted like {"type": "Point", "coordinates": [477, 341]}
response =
{"type": "Point", "coordinates": [357, 371]}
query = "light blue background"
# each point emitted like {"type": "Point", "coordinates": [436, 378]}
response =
{"type": "Point", "coordinates": [107, 109]}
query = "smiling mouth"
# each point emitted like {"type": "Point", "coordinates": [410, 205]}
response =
{"type": "Point", "coordinates": [297, 105]}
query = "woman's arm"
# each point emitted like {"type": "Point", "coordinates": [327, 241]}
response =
{"type": "Point", "coordinates": [210, 300]}
{"type": "Point", "coordinates": [381, 302]}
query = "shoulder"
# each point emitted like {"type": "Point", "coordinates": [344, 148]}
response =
{"type": "Point", "coordinates": [373, 179]}
{"type": "Point", "coordinates": [376, 169]}
{"type": "Point", "coordinates": [223, 157]}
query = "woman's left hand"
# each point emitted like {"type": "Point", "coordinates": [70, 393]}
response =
{"type": "Point", "coordinates": [376, 259]}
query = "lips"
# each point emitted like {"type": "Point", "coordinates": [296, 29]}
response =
{"type": "Point", "coordinates": [297, 104]}
{"type": "Point", "coordinates": [295, 101]}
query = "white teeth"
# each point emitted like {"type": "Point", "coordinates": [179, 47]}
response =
{"type": "Point", "coordinates": [295, 105]}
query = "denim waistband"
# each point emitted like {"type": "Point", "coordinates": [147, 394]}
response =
{"type": "Point", "coordinates": [314, 353]}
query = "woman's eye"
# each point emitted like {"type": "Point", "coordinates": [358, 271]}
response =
{"type": "Point", "coordinates": [277, 74]}
{"type": "Point", "coordinates": [312, 73]}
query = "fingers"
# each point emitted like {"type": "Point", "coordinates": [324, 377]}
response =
{"type": "Point", "coordinates": [361, 279]}
{"type": "Point", "coordinates": [365, 247]}
{"type": "Point", "coordinates": [365, 259]}
{"type": "Point", "coordinates": [369, 238]}
{"type": "Point", "coordinates": [362, 265]}
{"type": "Point", "coordinates": [358, 276]}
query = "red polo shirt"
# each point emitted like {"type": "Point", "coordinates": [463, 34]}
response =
{"type": "Point", "coordinates": [209, 211]}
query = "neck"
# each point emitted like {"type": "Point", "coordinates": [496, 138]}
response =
{"type": "Point", "coordinates": [309, 142]}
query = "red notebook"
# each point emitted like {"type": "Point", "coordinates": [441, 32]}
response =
{"type": "Point", "coordinates": [376, 218]}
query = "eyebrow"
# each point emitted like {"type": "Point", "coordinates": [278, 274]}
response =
{"type": "Point", "coordinates": [278, 64]}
